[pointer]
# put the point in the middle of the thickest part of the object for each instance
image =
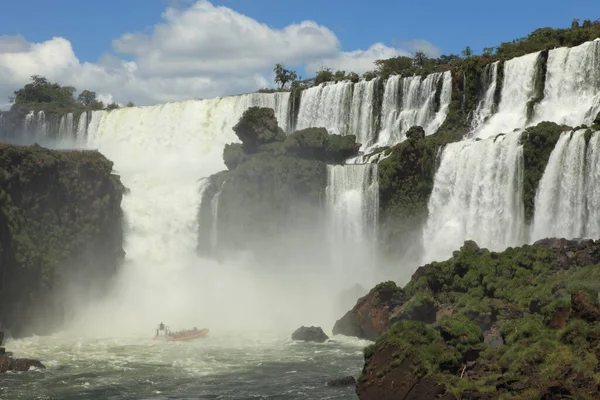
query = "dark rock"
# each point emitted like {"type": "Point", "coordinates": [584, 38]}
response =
{"type": "Point", "coordinates": [60, 222]}
{"type": "Point", "coordinates": [1, 337]}
{"type": "Point", "coordinates": [310, 334]}
{"type": "Point", "coordinates": [371, 314]}
{"type": "Point", "coordinates": [2, 351]}
{"type": "Point", "coordinates": [341, 382]}
{"type": "Point", "coordinates": [18, 364]}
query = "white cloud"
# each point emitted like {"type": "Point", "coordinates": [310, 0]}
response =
{"type": "Point", "coordinates": [423, 45]}
{"type": "Point", "coordinates": [201, 51]}
{"type": "Point", "coordinates": [358, 61]}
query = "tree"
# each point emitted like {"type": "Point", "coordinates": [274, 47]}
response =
{"type": "Point", "coordinates": [41, 94]}
{"type": "Point", "coordinates": [488, 51]}
{"type": "Point", "coordinates": [86, 98]}
{"type": "Point", "coordinates": [283, 75]}
{"type": "Point", "coordinates": [130, 104]}
{"type": "Point", "coordinates": [324, 75]}
{"type": "Point", "coordinates": [419, 59]}
{"type": "Point", "coordinates": [575, 23]}
{"type": "Point", "coordinates": [467, 52]}
{"type": "Point", "coordinates": [339, 76]}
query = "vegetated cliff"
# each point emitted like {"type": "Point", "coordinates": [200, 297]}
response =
{"type": "Point", "coordinates": [520, 324]}
{"type": "Point", "coordinates": [274, 183]}
{"type": "Point", "coordinates": [60, 224]}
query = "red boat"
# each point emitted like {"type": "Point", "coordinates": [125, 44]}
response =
{"type": "Point", "coordinates": [168, 336]}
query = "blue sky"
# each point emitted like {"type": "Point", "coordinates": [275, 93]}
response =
{"type": "Point", "coordinates": [152, 51]}
{"type": "Point", "coordinates": [450, 25]}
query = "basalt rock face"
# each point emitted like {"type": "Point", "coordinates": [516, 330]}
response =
{"type": "Point", "coordinates": [60, 224]}
{"type": "Point", "coordinates": [271, 197]}
{"type": "Point", "coordinates": [520, 324]}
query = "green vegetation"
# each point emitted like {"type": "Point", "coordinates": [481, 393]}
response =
{"type": "Point", "coordinates": [60, 219]}
{"type": "Point", "coordinates": [543, 304]}
{"type": "Point", "coordinates": [538, 142]}
{"type": "Point", "coordinates": [49, 97]}
{"type": "Point", "coordinates": [283, 75]}
{"type": "Point", "coordinates": [405, 183]}
{"type": "Point", "coordinates": [273, 180]}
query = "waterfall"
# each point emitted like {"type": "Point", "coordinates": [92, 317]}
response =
{"type": "Point", "coordinates": [82, 125]}
{"type": "Point", "coordinates": [477, 195]}
{"type": "Point", "coordinates": [567, 202]}
{"type": "Point", "coordinates": [485, 108]}
{"type": "Point", "coordinates": [214, 210]}
{"type": "Point", "coordinates": [572, 90]}
{"type": "Point", "coordinates": [411, 101]}
{"type": "Point", "coordinates": [160, 152]}
{"type": "Point", "coordinates": [328, 106]}
{"type": "Point", "coordinates": [353, 205]}
{"type": "Point", "coordinates": [517, 90]}
{"type": "Point", "coordinates": [362, 116]}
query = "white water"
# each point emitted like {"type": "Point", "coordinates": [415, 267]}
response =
{"type": "Point", "coordinates": [572, 90]}
{"type": "Point", "coordinates": [410, 101]}
{"type": "Point", "coordinates": [485, 108]}
{"type": "Point", "coordinates": [353, 206]}
{"type": "Point", "coordinates": [326, 106]}
{"type": "Point", "coordinates": [477, 195]}
{"type": "Point", "coordinates": [160, 153]}
{"type": "Point", "coordinates": [517, 90]}
{"type": "Point", "coordinates": [362, 117]}
{"type": "Point", "coordinates": [566, 203]}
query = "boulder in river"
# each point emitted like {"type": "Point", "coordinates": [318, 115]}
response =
{"type": "Point", "coordinates": [8, 363]}
{"type": "Point", "coordinates": [310, 334]}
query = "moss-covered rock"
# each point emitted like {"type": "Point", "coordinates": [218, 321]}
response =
{"type": "Point", "coordinates": [60, 221]}
{"type": "Point", "coordinates": [258, 126]}
{"type": "Point", "coordinates": [318, 144]}
{"type": "Point", "coordinates": [538, 142]}
{"type": "Point", "coordinates": [405, 183]}
{"type": "Point", "coordinates": [233, 155]}
{"type": "Point", "coordinates": [272, 186]}
{"type": "Point", "coordinates": [518, 293]}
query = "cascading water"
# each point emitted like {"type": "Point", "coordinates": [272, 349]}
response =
{"type": "Point", "coordinates": [362, 112]}
{"type": "Point", "coordinates": [353, 204]}
{"type": "Point", "coordinates": [566, 203]}
{"type": "Point", "coordinates": [160, 153]}
{"type": "Point", "coordinates": [485, 108]}
{"type": "Point", "coordinates": [477, 195]}
{"type": "Point", "coordinates": [572, 89]}
{"type": "Point", "coordinates": [517, 90]}
{"type": "Point", "coordinates": [411, 101]}
{"type": "Point", "coordinates": [328, 106]}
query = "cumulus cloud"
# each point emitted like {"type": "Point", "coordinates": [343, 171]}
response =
{"type": "Point", "coordinates": [358, 61]}
{"type": "Point", "coordinates": [198, 51]}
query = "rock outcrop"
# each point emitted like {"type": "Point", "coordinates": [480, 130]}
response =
{"type": "Point", "coordinates": [371, 314]}
{"type": "Point", "coordinates": [310, 334]}
{"type": "Point", "coordinates": [60, 223]}
{"type": "Point", "coordinates": [273, 189]}
{"type": "Point", "coordinates": [342, 382]}
{"type": "Point", "coordinates": [8, 363]}
{"type": "Point", "coordinates": [523, 323]}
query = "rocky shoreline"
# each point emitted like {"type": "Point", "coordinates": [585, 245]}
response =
{"type": "Point", "coordinates": [519, 324]}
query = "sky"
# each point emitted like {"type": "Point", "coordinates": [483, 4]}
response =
{"type": "Point", "coordinates": [154, 51]}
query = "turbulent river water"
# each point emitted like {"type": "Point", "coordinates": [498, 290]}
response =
{"type": "Point", "coordinates": [222, 366]}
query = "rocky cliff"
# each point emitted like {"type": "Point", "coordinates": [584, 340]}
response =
{"type": "Point", "coordinates": [521, 324]}
{"type": "Point", "coordinates": [60, 228]}
{"type": "Point", "coordinates": [274, 187]}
